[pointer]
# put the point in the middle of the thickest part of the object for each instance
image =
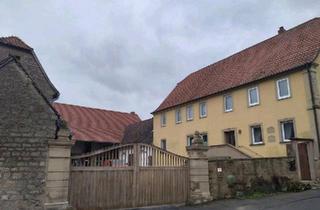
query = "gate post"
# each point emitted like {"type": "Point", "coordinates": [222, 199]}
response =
{"type": "Point", "coordinates": [58, 172]}
{"type": "Point", "coordinates": [199, 171]}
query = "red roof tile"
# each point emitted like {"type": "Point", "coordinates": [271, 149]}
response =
{"type": "Point", "coordinates": [286, 51]}
{"type": "Point", "coordinates": [14, 41]}
{"type": "Point", "coordinates": [98, 125]}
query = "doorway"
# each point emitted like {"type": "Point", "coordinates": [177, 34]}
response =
{"type": "Point", "coordinates": [230, 137]}
{"type": "Point", "coordinates": [304, 161]}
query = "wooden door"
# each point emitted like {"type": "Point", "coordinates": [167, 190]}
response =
{"type": "Point", "coordinates": [304, 161]}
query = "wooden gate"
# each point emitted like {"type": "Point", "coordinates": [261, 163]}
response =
{"type": "Point", "coordinates": [304, 161]}
{"type": "Point", "coordinates": [132, 175]}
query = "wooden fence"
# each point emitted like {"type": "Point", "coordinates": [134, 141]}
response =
{"type": "Point", "coordinates": [132, 175]}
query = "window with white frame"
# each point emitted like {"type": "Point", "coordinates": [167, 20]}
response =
{"type": "Point", "coordinates": [203, 109]}
{"type": "Point", "coordinates": [189, 112]}
{"type": "Point", "coordinates": [283, 88]}
{"type": "Point", "coordinates": [163, 119]}
{"type": "Point", "coordinates": [178, 116]}
{"type": "Point", "coordinates": [204, 137]}
{"type": "Point", "coordinates": [287, 130]}
{"type": "Point", "coordinates": [256, 134]}
{"type": "Point", "coordinates": [228, 103]}
{"type": "Point", "coordinates": [163, 144]}
{"type": "Point", "coordinates": [253, 96]}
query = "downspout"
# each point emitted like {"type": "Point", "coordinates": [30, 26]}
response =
{"type": "Point", "coordinates": [315, 115]}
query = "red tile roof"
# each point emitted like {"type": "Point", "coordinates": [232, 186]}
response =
{"type": "Point", "coordinates": [14, 41]}
{"type": "Point", "coordinates": [283, 52]}
{"type": "Point", "coordinates": [98, 125]}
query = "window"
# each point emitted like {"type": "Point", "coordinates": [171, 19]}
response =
{"type": "Point", "coordinates": [204, 136]}
{"type": "Point", "coordinates": [253, 96]}
{"type": "Point", "coordinates": [178, 116]}
{"type": "Point", "coordinates": [163, 119]}
{"type": "Point", "coordinates": [287, 130]}
{"type": "Point", "coordinates": [163, 144]}
{"type": "Point", "coordinates": [283, 88]}
{"type": "Point", "coordinates": [203, 109]}
{"type": "Point", "coordinates": [256, 134]}
{"type": "Point", "coordinates": [189, 112]}
{"type": "Point", "coordinates": [228, 104]}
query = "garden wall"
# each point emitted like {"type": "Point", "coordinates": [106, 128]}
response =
{"type": "Point", "coordinates": [247, 172]}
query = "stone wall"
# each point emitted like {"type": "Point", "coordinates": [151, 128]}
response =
{"type": "Point", "coordinates": [245, 172]}
{"type": "Point", "coordinates": [27, 123]}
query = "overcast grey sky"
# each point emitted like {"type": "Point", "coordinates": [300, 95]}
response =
{"type": "Point", "coordinates": [128, 55]}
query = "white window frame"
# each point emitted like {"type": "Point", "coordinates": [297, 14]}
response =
{"type": "Point", "coordinates": [187, 112]}
{"type": "Point", "coordinates": [162, 144]}
{"type": "Point", "coordinates": [225, 103]}
{"type": "Point", "coordinates": [178, 115]}
{"type": "Point", "coordinates": [288, 86]}
{"type": "Point", "coordinates": [252, 134]}
{"type": "Point", "coordinates": [258, 96]}
{"type": "Point", "coordinates": [283, 139]}
{"type": "Point", "coordinates": [205, 108]}
{"type": "Point", "coordinates": [163, 119]}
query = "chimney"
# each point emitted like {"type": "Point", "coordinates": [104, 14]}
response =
{"type": "Point", "coordinates": [132, 113]}
{"type": "Point", "coordinates": [281, 30]}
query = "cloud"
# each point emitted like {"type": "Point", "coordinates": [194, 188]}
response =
{"type": "Point", "coordinates": [128, 55]}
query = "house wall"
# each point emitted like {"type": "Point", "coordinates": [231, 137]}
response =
{"type": "Point", "coordinates": [267, 113]}
{"type": "Point", "coordinates": [31, 66]}
{"type": "Point", "coordinates": [26, 125]}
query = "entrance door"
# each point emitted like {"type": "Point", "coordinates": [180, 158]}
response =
{"type": "Point", "coordinates": [304, 161]}
{"type": "Point", "coordinates": [230, 137]}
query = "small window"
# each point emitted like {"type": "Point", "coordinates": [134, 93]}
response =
{"type": "Point", "coordinates": [287, 130]}
{"type": "Point", "coordinates": [178, 116]}
{"type": "Point", "coordinates": [163, 120]}
{"type": "Point", "coordinates": [256, 134]}
{"type": "Point", "coordinates": [203, 109]}
{"type": "Point", "coordinates": [189, 112]}
{"type": "Point", "coordinates": [283, 88]}
{"type": "Point", "coordinates": [228, 103]}
{"type": "Point", "coordinates": [204, 136]}
{"type": "Point", "coordinates": [253, 96]}
{"type": "Point", "coordinates": [163, 144]}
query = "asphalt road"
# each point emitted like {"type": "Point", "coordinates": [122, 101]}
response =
{"type": "Point", "coordinates": [308, 200]}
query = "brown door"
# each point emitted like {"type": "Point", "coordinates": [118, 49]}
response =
{"type": "Point", "coordinates": [230, 137]}
{"type": "Point", "coordinates": [304, 161]}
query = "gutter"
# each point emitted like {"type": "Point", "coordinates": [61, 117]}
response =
{"type": "Point", "coordinates": [313, 106]}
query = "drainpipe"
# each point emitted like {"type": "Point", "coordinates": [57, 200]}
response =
{"type": "Point", "coordinates": [315, 115]}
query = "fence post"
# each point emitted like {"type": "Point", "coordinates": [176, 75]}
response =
{"type": "Point", "coordinates": [136, 157]}
{"type": "Point", "coordinates": [198, 172]}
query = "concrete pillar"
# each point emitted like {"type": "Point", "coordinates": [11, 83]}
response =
{"type": "Point", "coordinates": [199, 172]}
{"type": "Point", "coordinates": [58, 172]}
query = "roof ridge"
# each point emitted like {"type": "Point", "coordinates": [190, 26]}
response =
{"type": "Point", "coordinates": [254, 45]}
{"type": "Point", "coordinates": [86, 107]}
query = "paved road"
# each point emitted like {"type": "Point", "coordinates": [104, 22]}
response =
{"type": "Point", "coordinates": [308, 200]}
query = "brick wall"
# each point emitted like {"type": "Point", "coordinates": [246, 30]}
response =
{"type": "Point", "coordinates": [245, 171]}
{"type": "Point", "coordinates": [26, 125]}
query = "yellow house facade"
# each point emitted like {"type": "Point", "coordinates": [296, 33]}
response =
{"type": "Point", "coordinates": [269, 113]}
{"type": "Point", "coordinates": [256, 100]}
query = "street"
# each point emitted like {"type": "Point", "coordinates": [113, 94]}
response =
{"type": "Point", "coordinates": [285, 201]}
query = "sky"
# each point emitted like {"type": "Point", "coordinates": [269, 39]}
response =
{"type": "Point", "coordinates": [127, 55]}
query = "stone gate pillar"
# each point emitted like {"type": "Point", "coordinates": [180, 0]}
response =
{"type": "Point", "coordinates": [58, 172]}
{"type": "Point", "coordinates": [199, 172]}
